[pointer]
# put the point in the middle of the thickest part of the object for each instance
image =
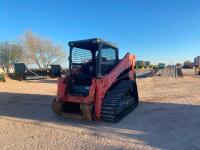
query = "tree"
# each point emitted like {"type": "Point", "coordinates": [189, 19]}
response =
{"type": "Point", "coordinates": [188, 64]}
{"type": "Point", "coordinates": [9, 54]}
{"type": "Point", "coordinates": [178, 65]}
{"type": "Point", "coordinates": [42, 52]}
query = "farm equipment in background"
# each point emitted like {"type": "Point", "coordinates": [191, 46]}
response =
{"type": "Point", "coordinates": [155, 67]}
{"type": "Point", "coordinates": [2, 78]}
{"type": "Point", "coordinates": [161, 66]}
{"type": "Point", "coordinates": [99, 86]}
{"type": "Point", "coordinates": [22, 72]}
{"type": "Point", "coordinates": [55, 71]}
{"type": "Point", "coordinates": [142, 64]}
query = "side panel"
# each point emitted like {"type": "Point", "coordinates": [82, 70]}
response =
{"type": "Point", "coordinates": [61, 88]}
{"type": "Point", "coordinates": [103, 84]}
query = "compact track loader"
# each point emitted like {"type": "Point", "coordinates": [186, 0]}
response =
{"type": "Point", "coordinates": [99, 86]}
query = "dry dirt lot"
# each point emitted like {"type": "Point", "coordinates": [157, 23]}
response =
{"type": "Point", "coordinates": [168, 117]}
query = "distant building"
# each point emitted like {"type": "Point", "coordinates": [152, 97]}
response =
{"type": "Point", "coordinates": [197, 61]}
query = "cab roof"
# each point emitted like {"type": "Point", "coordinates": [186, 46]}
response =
{"type": "Point", "coordinates": [91, 44]}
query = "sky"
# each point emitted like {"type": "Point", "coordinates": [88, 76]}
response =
{"type": "Point", "coordinates": [155, 30]}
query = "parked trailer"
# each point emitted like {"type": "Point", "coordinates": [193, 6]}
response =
{"type": "Point", "coordinates": [22, 72]}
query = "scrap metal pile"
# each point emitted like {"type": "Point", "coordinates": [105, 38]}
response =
{"type": "Point", "coordinates": [170, 72]}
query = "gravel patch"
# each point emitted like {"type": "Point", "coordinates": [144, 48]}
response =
{"type": "Point", "coordinates": [168, 117]}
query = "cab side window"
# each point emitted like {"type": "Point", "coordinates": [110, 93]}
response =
{"type": "Point", "coordinates": [108, 59]}
{"type": "Point", "coordinates": [108, 54]}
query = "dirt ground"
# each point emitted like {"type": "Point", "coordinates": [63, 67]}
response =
{"type": "Point", "coordinates": [168, 117]}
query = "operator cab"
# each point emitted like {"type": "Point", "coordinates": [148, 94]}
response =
{"type": "Point", "coordinates": [89, 59]}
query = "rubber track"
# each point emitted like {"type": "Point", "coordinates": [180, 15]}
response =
{"type": "Point", "coordinates": [116, 105]}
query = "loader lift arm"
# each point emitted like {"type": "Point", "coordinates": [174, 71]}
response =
{"type": "Point", "coordinates": [127, 63]}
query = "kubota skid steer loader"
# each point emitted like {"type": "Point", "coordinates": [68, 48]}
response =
{"type": "Point", "coordinates": [99, 85]}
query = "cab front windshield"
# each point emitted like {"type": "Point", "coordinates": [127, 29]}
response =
{"type": "Point", "coordinates": [82, 65]}
{"type": "Point", "coordinates": [80, 56]}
